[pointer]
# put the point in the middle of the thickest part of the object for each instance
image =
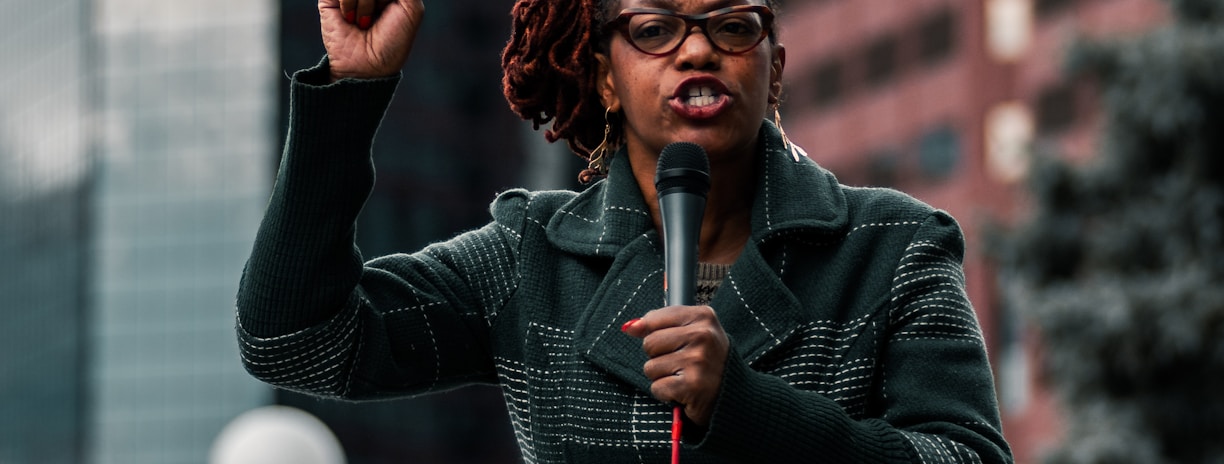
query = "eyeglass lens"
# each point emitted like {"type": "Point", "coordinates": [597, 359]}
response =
{"type": "Point", "coordinates": [732, 32]}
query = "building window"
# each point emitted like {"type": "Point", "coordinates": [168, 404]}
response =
{"type": "Point", "coordinates": [1046, 8]}
{"type": "Point", "coordinates": [882, 61]}
{"type": "Point", "coordinates": [1056, 109]}
{"type": "Point", "coordinates": [883, 168]}
{"type": "Point", "coordinates": [939, 153]}
{"type": "Point", "coordinates": [829, 86]}
{"type": "Point", "coordinates": [937, 36]}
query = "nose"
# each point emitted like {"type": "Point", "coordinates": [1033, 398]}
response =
{"type": "Point", "coordinates": [696, 51]}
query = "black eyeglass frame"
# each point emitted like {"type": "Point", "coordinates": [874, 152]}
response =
{"type": "Point", "coordinates": [621, 24]}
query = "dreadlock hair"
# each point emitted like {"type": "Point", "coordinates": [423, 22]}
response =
{"type": "Point", "coordinates": [550, 69]}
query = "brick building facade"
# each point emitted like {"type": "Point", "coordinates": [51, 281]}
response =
{"type": "Point", "coordinates": [944, 99]}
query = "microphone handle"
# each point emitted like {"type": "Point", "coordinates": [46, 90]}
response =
{"type": "Point", "coordinates": [681, 213]}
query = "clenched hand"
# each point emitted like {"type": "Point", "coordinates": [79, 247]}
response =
{"type": "Point", "coordinates": [687, 348]}
{"type": "Point", "coordinates": [368, 38]}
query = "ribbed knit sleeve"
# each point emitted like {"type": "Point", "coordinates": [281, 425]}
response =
{"type": "Point", "coordinates": [304, 264]}
{"type": "Point", "coordinates": [313, 317]}
{"type": "Point", "coordinates": [936, 403]}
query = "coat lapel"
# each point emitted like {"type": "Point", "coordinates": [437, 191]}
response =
{"type": "Point", "coordinates": [794, 198]}
{"type": "Point", "coordinates": [633, 287]}
{"type": "Point", "coordinates": [754, 306]}
{"type": "Point", "coordinates": [609, 221]}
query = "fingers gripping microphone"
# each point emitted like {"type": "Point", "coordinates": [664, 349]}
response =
{"type": "Point", "coordinates": [681, 182]}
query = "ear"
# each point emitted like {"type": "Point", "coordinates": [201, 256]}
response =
{"type": "Point", "coordinates": [775, 72]}
{"type": "Point", "coordinates": [605, 84]}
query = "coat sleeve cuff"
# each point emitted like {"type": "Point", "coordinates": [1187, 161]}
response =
{"type": "Point", "coordinates": [346, 113]}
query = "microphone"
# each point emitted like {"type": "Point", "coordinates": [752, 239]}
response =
{"type": "Point", "coordinates": [681, 183]}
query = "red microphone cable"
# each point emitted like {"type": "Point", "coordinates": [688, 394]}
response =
{"type": "Point", "coordinates": [676, 411]}
{"type": "Point", "coordinates": [676, 435]}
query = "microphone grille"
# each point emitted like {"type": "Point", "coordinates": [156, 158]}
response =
{"type": "Point", "coordinates": [683, 165]}
{"type": "Point", "coordinates": [684, 155]}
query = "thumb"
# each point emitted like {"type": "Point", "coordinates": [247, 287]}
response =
{"type": "Point", "coordinates": [403, 16]}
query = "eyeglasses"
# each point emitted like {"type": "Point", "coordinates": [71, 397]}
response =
{"type": "Point", "coordinates": [659, 32]}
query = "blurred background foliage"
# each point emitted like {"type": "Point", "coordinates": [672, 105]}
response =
{"type": "Point", "coordinates": [1119, 266]}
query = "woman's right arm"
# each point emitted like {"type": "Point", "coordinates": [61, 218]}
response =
{"type": "Point", "coordinates": [311, 316]}
{"type": "Point", "coordinates": [326, 172]}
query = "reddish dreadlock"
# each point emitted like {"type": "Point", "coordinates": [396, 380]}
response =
{"type": "Point", "coordinates": [550, 69]}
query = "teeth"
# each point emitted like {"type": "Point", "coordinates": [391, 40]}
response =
{"type": "Point", "coordinates": [701, 96]}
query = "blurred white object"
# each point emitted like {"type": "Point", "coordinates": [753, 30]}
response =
{"type": "Point", "coordinates": [1009, 28]}
{"type": "Point", "coordinates": [1009, 137]}
{"type": "Point", "coordinates": [276, 435]}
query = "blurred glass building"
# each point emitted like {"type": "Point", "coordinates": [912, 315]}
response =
{"type": "Point", "coordinates": [44, 222]}
{"type": "Point", "coordinates": [133, 171]}
{"type": "Point", "coordinates": [186, 110]}
{"type": "Point", "coordinates": [138, 143]}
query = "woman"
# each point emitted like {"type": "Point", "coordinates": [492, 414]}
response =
{"type": "Point", "coordinates": [832, 322]}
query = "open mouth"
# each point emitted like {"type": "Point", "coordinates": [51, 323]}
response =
{"type": "Point", "coordinates": [701, 96]}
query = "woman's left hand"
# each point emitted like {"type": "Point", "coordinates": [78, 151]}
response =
{"type": "Point", "coordinates": [687, 348]}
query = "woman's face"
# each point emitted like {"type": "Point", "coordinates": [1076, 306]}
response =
{"type": "Point", "coordinates": [656, 94]}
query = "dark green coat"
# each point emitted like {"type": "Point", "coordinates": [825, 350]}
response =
{"type": "Point", "coordinates": [852, 337]}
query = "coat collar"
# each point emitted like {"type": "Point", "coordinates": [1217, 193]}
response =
{"type": "Point", "coordinates": [610, 220]}
{"type": "Point", "coordinates": [794, 195]}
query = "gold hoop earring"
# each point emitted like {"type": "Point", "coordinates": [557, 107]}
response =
{"type": "Point", "coordinates": [598, 160]}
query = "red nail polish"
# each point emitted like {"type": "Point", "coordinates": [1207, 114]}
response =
{"type": "Point", "coordinates": [627, 325]}
{"type": "Point", "coordinates": [364, 22]}
{"type": "Point", "coordinates": [351, 17]}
